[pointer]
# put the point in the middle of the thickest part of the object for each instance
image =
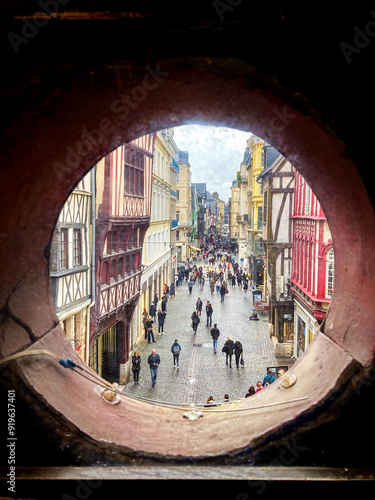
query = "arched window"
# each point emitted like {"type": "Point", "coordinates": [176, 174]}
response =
{"type": "Point", "coordinates": [133, 262]}
{"type": "Point", "coordinates": [127, 264]}
{"type": "Point", "coordinates": [330, 273]}
{"type": "Point", "coordinates": [104, 272]}
{"type": "Point", "coordinates": [113, 275]}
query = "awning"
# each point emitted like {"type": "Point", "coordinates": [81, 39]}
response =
{"type": "Point", "coordinates": [195, 248]}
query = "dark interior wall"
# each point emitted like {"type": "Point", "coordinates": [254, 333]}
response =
{"type": "Point", "coordinates": [319, 59]}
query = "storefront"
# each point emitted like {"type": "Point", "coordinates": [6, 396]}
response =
{"type": "Point", "coordinates": [305, 327]}
{"type": "Point", "coordinates": [105, 354]}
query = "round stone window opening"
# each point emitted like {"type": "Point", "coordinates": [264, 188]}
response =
{"type": "Point", "coordinates": [336, 360]}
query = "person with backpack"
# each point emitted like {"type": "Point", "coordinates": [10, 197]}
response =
{"type": "Point", "coordinates": [268, 379]}
{"type": "Point", "coordinates": [245, 288]}
{"type": "Point", "coordinates": [175, 350]}
{"type": "Point", "coordinates": [209, 312]}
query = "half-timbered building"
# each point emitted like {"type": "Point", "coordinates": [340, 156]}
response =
{"type": "Point", "coordinates": [71, 261]}
{"type": "Point", "coordinates": [313, 269]}
{"type": "Point", "coordinates": [277, 181]}
{"type": "Point", "coordinates": [123, 209]}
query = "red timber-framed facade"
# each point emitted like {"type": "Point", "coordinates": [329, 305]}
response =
{"type": "Point", "coordinates": [123, 211]}
{"type": "Point", "coordinates": [312, 279]}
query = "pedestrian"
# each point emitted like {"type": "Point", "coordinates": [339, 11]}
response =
{"type": "Point", "coordinates": [215, 334]}
{"type": "Point", "coordinates": [164, 306]}
{"type": "Point", "coordinates": [161, 321]}
{"type": "Point", "coordinates": [153, 310]}
{"type": "Point", "coordinates": [210, 401]}
{"type": "Point", "coordinates": [156, 299]}
{"type": "Point", "coordinates": [144, 318]}
{"type": "Point", "coordinates": [172, 290]}
{"type": "Point", "coordinates": [238, 352]}
{"type": "Point", "coordinates": [254, 316]}
{"type": "Point", "coordinates": [226, 398]}
{"type": "Point", "coordinates": [259, 386]}
{"type": "Point", "coordinates": [190, 285]}
{"type": "Point", "coordinates": [136, 367]}
{"type": "Point", "coordinates": [154, 362]}
{"type": "Point", "coordinates": [250, 392]}
{"type": "Point", "coordinates": [199, 306]}
{"type": "Point", "coordinates": [217, 285]}
{"type": "Point", "coordinates": [222, 292]}
{"type": "Point", "coordinates": [167, 291]}
{"type": "Point", "coordinates": [175, 350]}
{"type": "Point", "coordinates": [195, 321]}
{"type": "Point", "coordinates": [245, 288]}
{"type": "Point", "coordinates": [150, 333]}
{"type": "Point", "coordinates": [212, 286]}
{"type": "Point", "coordinates": [268, 379]}
{"type": "Point", "coordinates": [209, 312]}
{"type": "Point", "coordinates": [228, 349]}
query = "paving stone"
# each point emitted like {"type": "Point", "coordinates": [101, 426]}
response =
{"type": "Point", "coordinates": [202, 372]}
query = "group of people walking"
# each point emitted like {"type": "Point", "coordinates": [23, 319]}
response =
{"type": "Point", "coordinates": [227, 272]}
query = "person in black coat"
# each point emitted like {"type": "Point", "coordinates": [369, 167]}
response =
{"type": "Point", "coordinates": [238, 350]}
{"type": "Point", "coordinates": [215, 334]}
{"type": "Point", "coordinates": [195, 321]}
{"type": "Point", "coordinates": [153, 310]}
{"type": "Point", "coordinates": [228, 349]}
{"type": "Point", "coordinates": [136, 367]}
{"type": "Point", "coordinates": [161, 321]}
{"type": "Point", "coordinates": [172, 290]}
{"type": "Point", "coordinates": [222, 292]}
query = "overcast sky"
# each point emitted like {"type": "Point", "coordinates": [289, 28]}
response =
{"type": "Point", "coordinates": [215, 154]}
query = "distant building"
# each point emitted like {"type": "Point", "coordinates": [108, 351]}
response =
{"type": "Point", "coordinates": [277, 181]}
{"type": "Point", "coordinates": [123, 209]}
{"type": "Point", "coordinates": [313, 265]}
{"type": "Point", "coordinates": [72, 265]}
{"type": "Point", "coordinates": [183, 206]}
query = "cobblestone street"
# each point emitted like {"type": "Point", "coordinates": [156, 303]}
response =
{"type": "Point", "coordinates": [202, 372]}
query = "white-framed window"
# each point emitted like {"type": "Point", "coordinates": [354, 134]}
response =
{"type": "Point", "coordinates": [330, 273]}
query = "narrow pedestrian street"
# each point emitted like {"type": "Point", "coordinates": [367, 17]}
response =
{"type": "Point", "coordinates": [203, 373]}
